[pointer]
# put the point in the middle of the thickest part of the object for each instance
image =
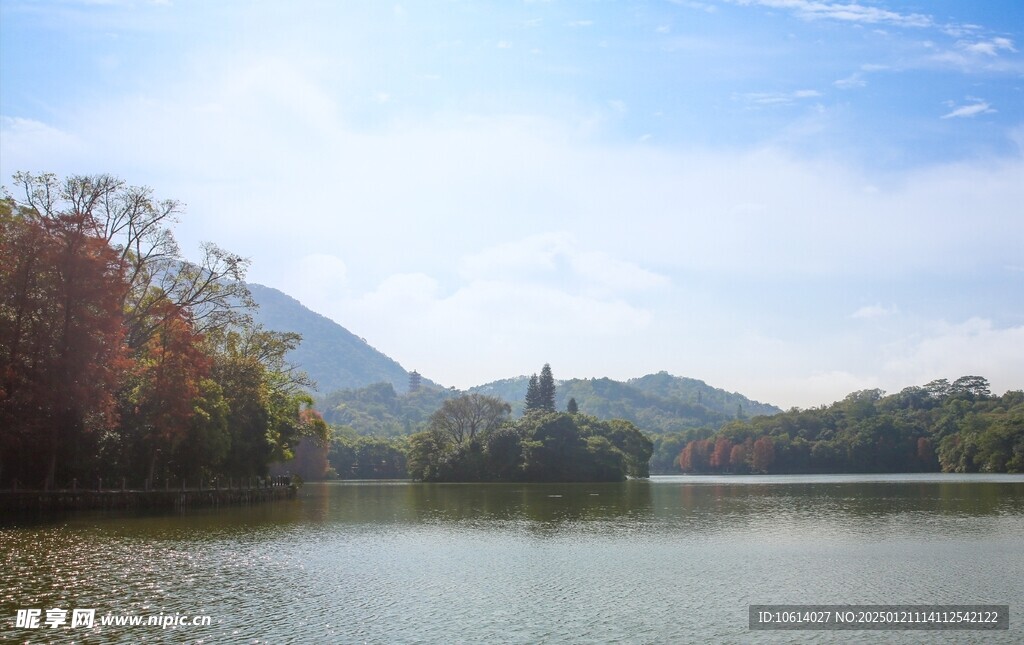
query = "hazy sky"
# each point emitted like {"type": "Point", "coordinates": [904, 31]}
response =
{"type": "Point", "coordinates": [794, 199]}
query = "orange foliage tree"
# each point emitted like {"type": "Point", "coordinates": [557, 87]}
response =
{"type": "Point", "coordinates": [62, 340]}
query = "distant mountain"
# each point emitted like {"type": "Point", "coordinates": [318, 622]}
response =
{"type": "Point", "coordinates": [656, 403]}
{"type": "Point", "coordinates": [338, 360]}
{"type": "Point", "coordinates": [667, 386]}
{"type": "Point", "coordinates": [332, 355]}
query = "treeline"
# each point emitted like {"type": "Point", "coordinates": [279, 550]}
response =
{"type": "Point", "coordinates": [118, 358]}
{"type": "Point", "coordinates": [659, 403]}
{"type": "Point", "coordinates": [347, 456]}
{"type": "Point", "coordinates": [952, 427]}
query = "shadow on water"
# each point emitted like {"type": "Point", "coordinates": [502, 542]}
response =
{"type": "Point", "coordinates": [540, 503]}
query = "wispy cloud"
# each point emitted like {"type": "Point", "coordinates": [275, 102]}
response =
{"type": "Point", "coordinates": [846, 12]}
{"type": "Point", "coordinates": [777, 98]}
{"type": "Point", "coordinates": [990, 47]}
{"type": "Point", "coordinates": [851, 82]}
{"type": "Point", "coordinates": [698, 6]}
{"type": "Point", "coordinates": [874, 311]}
{"type": "Point", "coordinates": [971, 110]}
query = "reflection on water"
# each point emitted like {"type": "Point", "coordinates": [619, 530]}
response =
{"type": "Point", "coordinates": [667, 560]}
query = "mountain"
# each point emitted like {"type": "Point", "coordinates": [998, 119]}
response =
{"type": "Point", "coordinates": [667, 386]}
{"type": "Point", "coordinates": [339, 360]}
{"type": "Point", "coordinates": [333, 356]}
{"type": "Point", "coordinates": [657, 403]}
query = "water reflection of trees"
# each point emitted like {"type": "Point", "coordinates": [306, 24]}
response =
{"type": "Point", "coordinates": [672, 506]}
{"type": "Point", "coordinates": [542, 503]}
{"type": "Point", "coordinates": [851, 500]}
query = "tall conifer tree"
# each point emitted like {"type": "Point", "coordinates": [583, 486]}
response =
{"type": "Point", "coordinates": [533, 394]}
{"type": "Point", "coordinates": [546, 389]}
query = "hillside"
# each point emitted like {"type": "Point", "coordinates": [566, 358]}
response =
{"type": "Point", "coordinates": [347, 371]}
{"type": "Point", "coordinates": [657, 403]}
{"type": "Point", "coordinates": [332, 355]}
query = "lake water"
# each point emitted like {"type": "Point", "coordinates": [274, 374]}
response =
{"type": "Point", "coordinates": [670, 560]}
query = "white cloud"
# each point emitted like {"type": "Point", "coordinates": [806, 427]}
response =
{"type": "Point", "coordinates": [817, 388]}
{"type": "Point", "coordinates": [845, 12]}
{"type": "Point", "coordinates": [973, 347]}
{"type": "Point", "coordinates": [479, 246]}
{"type": "Point", "coordinates": [698, 6]}
{"type": "Point", "coordinates": [488, 329]}
{"type": "Point", "coordinates": [35, 144]}
{"type": "Point", "coordinates": [317, 280]}
{"type": "Point", "coordinates": [778, 98]}
{"type": "Point", "coordinates": [557, 256]}
{"type": "Point", "coordinates": [964, 111]}
{"type": "Point", "coordinates": [853, 81]}
{"type": "Point", "coordinates": [873, 311]}
{"type": "Point", "coordinates": [990, 47]}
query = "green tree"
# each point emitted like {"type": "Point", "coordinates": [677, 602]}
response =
{"type": "Point", "coordinates": [572, 407]}
{"type": "Point", "coordinates": [533, 398]}
{"type": "Point", "coordinates": [546, 389]}
{"type": "Point", "coordinates": [463, 418]}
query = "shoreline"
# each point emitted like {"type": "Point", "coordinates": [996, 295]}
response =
{"type": "Point", "coordinates": [22, 501]}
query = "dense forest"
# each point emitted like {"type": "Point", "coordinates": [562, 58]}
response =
{"type": "Point", "coordinates": [952, 427]}
{"type": "Point", "coordinates": [958, 426]}
{"type": "Point", "coordinates": [119, 359]}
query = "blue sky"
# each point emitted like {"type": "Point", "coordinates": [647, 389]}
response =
{"type": "Point", "coordinates": [794, 199]}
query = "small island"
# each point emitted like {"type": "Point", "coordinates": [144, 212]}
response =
{"type": "Point", "coordinates": [471, 439]}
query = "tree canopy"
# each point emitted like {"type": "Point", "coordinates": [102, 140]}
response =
{"type": "Point", "coordinates": [543, 446]}
{"type": "Point", "coordinates": [118, 358]}
{"type": "Point", "coordinates": [953, 427]}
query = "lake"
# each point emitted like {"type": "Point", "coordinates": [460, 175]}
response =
{"type": "Point", "coordinates": [670, 560]}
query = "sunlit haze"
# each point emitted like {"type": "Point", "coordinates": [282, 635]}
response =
{"type": "Point", "coordinates": [785, 198]}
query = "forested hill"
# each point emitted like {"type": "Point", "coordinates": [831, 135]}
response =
{"type": "Point", "coordinates": [332, 355]}
{"type": "Point", "coordinates": [955, 427]}
{"type": "Point", "coordinates": [657, 403]}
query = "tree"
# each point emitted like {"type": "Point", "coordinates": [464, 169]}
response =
{"type": "Point", "coordinates": [136, 228]}
{"type": "Point", "coordinates": [533, 401]}
{"type": "Point", "coordinates": [61, 337]}
{"type": "Point", "coordinates": [721, 454]}
{"type": "Point", "coordinates": [546, 389]}
{"type": "Point", "coordinates": [572, 407]}
{"type": "Point", "coordinates": [763, 456]}
{"type": "Point", "coordinates": [738, 458]}
{"type": "Point", "coordinates": [971, 387]}
{"type": "Point", "coordinates": [159, 395]}
{"type": "Point", "coordinates": [265, 395]}
{"type": "Point", "coordinates": [461, 419]}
